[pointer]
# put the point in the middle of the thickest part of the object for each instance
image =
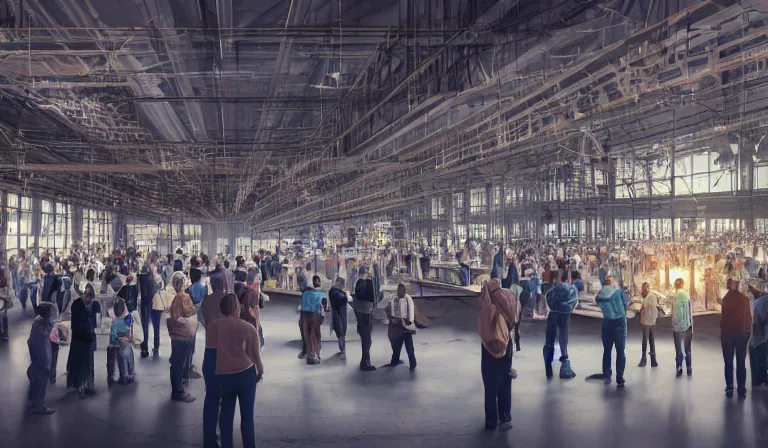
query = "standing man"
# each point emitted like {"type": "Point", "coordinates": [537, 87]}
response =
{"type": "Point", "coordinates": [210, 310]}
{"type": "Point", "coordinates": [363, 306]}
{"type": "Point", "coordinates": [497, 317]}
{"type": "Point", "coordinates": [339, 301]}
{"type": "Point", "coordinates": [735, 327]}
{"type": "Point", "coordinates": [313, 302]}
{"type": "Point", "coordinates": [649, 313]}
{"type": "Point", "coordinates": [614, 306]}
{"type": "Point", "coordinates": [562, 300]}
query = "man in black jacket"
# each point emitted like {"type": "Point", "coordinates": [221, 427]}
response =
{"type": "Point", "coordinates": [339, 301]}
{"type": "Point", "coordinates": [363, 305]}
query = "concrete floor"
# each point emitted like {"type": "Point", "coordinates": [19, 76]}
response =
{"type": "Point", "coordinates": [439, 405]}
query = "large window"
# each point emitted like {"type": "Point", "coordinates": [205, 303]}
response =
{"type": "Point", "coordinates": [143, 237]}
{"type": "Point", "coordinates": [700, 173]}
{"type": "Point", "coordinates": [193, 237]}
{"type": "Point", "coordinates": [62, 233]}
{"type": "Point", "coordinates": [458, 207]}
{"type": "Point", "coordinates": [479, 231]}
{"type": "Point", "coordinates": [26, 235]}
{"type": "Point", "coordinates": [97, 226]}
{"type": "Point", "coordinates": [477, 201]}
{"type": "Point", "coordinates": [47, 225]}
{"type": "Point", "coordinates": [12, 237]}
{"type": "Point", "coordinates": [243, 246]}
{"type": "Point", "coordinates": [439, 208]}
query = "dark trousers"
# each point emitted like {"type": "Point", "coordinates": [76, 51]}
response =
{"type": "Point", "coordinates": [311, 325]}
{"type": "Point", "coordinates": [145, 313]}
{"type": "Point", "coordinates": [364, 328]}
{"type": "Point", "coordinates": [497, 382]}
{"type": "Point", "coordinates": [179, 352]}
{"type": "Point", "coordinates": [301, 330]}
{"type": "Point", "coordinates": [557, 325]}
{"type": "Point", "coordinates": [615, 334]}
{"type": "Point", "coordinates": [339, 323]}
{"type": "Point", "coordinates": [54, 360]}
{"type": "Point", "coordinates": [155, 315]}
{"type": "Point", "coordinates": [397, 346]}
{"type": "Point", "coordinates": [735, 344]}
{"type": "Point", "coordinates": [190, 357]}
{"type": "Point", "coordinates": [4, 334]}
{"type": "Point", "coordinates": [758, 362]}
{"type": "Point", "coordinates": [683, 340]}
{"type": "Point", "coordinates": [38, 385]}
{"type": "Point", "coordinates": [240, 387]}
{"type": "Point", "coordinates": [648, 337]}
{"type": "Point", "coordinates": [212, 397]}
{"type": "Point", "coordinates": [261, 336]}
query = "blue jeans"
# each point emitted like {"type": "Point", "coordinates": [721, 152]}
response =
{"type": "Point", "coordinates": [239, 387]}
{"type": "Point", "coordinates": [683, 340]}
{"type": "Point", "coordinates": [557, 325]}
{"type": "Point", "coordinates": [497, 383]}
{"type": "Point", "coordinates": [614, 333]}
{"type": "Point", "coordinates": [212, 397]}
{"type": "Point", "coordinates": [735, 344]}
{"type": "Point", "coordinates": [123, 357]}
{"type": "Point", "coordinates": [179, 353]}
{"type": "Point", "coordinates": [29, 291]}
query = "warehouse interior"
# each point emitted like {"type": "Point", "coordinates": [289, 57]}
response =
{"type": "Point", "coordinates": [420, 139]}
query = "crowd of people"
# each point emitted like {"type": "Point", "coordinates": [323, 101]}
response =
{"type": "Point", "coordinates": [69, 297]}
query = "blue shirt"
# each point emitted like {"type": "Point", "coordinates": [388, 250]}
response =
{"type": "Point", "coordinates": [120, 328]}
{"type": "Point", "coordinates": [612, 302]}
{"type": "Point", "coordinates": [312, 300]}
{"type": "Point", "coordinates": [197, 292]}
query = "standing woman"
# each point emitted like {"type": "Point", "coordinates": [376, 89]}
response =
{"type": "Point", "coordinates": [735, 328]}
{"type": "Point", "coordinates": [238, 369]}
{"type": "Point", "coordinates": [83, 345]}
{"type": "Point", "coordinates": [339, 301]}
{"type": "Point", "coordinates": [401, 327]}
{"type": "Point", "coordinates": [682, 327]}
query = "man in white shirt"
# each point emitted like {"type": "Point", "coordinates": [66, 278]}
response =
{"type": "Point", "coordinates": [648, 315]}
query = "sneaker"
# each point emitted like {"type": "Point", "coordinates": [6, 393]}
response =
{"type": "Point", "coordinates": [145, 354]}
{"type": "Point", "coordinates": [342, 356]}
{"type": "Point", "coordinates": [367, 367]}
{"type": "Point", "coordinates": [506, 420]}
{"type": "Point", "coordinates": [679, 371]}
{"type": "Point", "coordinates": [43, 411]}
{"type": "Point", "coordinates": [548, 369]}
{"type": "Point", "coordinates": [313, 361]}
{"type": "Point", "coordinates": [565, 370]}
{"type": "Point", "coordinates": [653, 361]}
{"type": "Point", "coordinates": [412, 367]}
{"type": "Point", "coordinates": [183, 398]}
{"type": "Point", "coordinates": [689, 371]}
{"type": "Point", "coordinates": [643, 363]}
{"type": "Point", "coordinates": [742, 394]}
{"type": "Point", "coordinates": [729, 392]}
{"type": "Point", "coordinates": [619, 382]}
{"type": "Point", "coordinates": [302, 355]}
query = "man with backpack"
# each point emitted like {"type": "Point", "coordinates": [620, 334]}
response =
{"type": "Point", "coordinates": [498, 311]}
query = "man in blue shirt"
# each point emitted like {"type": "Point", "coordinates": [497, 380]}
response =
{"type": "Point", "coordinates": [562, 299]}
{"type": "Point", "coordinates": [313, 303]}
{"type": "Point", "coordinates": [613, 302]}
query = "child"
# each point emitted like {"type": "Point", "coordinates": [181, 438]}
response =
{"type": "Point", "coordinates": [119, 350]}
{"type": "Point", "coordinates": [40, 354]}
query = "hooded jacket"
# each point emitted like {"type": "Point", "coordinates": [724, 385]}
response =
{"type": "Point", "coordinates": [612, 302]}
{"type": "Point", "coordinates": [312, 300]}
{"type": "Point", "coordinates": [682, 319]}
{"type": "Point", "coordinates": [505, 304]}
{"type": "Point", "coordinates": [563, 298]}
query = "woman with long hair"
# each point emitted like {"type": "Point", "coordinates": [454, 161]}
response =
{"type": "Point", "coordinates": [80, 362]}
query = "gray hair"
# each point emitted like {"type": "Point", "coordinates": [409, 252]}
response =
{"type": "Point", "coordinates": [178, 281]}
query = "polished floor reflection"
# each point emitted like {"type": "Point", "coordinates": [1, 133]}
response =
{"type": "Point", "coordinates": [439, 405]}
